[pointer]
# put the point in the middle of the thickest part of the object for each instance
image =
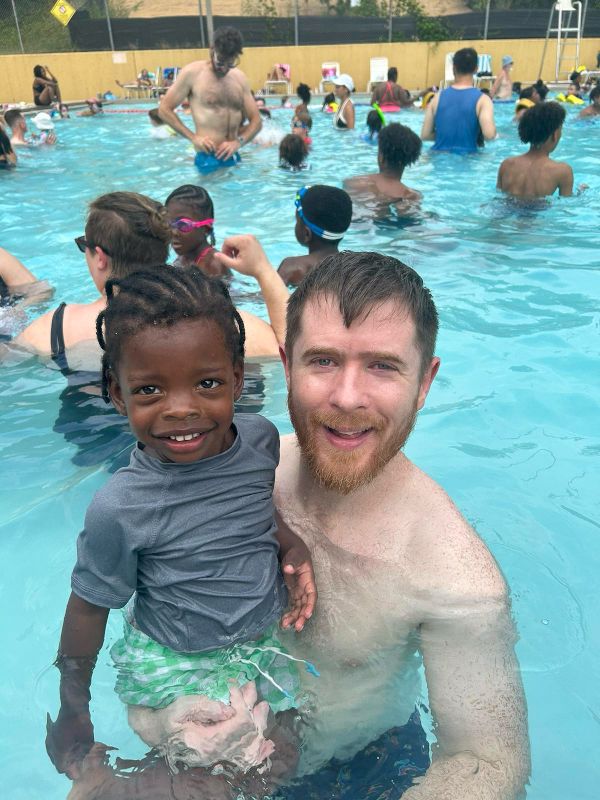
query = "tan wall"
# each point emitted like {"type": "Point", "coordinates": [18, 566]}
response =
{"type": "Point", "coordinates": [419, 64]}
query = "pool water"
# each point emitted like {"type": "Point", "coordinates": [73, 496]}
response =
{"type": "Point", "coordinates": [510, 428]}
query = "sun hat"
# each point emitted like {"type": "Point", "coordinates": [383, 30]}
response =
{"type": "Point", "coordinates": [43, 121]}
{"type": "Point", "coordinates": [506, 60]}
{"type": "Point", "coordinates": [344, 80]}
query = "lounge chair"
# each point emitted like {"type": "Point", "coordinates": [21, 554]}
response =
{"type": "Point", "coordinates": [283, 86]}
{"type": "Point", "coordinates": [378, 68]}
{"type": "Point", "coordinates": [329, 70]}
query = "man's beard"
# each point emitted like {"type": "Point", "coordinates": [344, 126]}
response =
{"type": "Point", "coordinates": [340, 470]}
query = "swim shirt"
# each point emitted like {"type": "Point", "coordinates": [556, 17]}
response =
{"type": "Point", "coordinates": [456, 122]}
{"type": "Point", "coordinates": [195, 543]}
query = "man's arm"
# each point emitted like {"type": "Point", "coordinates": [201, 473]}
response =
{"type": "Point", "coordinates": [176, 94]}
{"type": "Point", "coordinates": [428, 129]}
{"type": "Point", "coordinates": [485, 115]}
{"type": "Point", "coordinates": [13, 272]}
{"type": "Point", "coordinates": [476, 698]}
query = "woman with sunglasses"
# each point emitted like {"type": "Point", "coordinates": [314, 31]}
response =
{"type": "Point", "coordinates": [191, 216]}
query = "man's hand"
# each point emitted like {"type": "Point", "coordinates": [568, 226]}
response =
{"type": "Point", "coordinates": [51, 138]}
{"type": "Point", "coordinates": [203, 143]}
{"type": "Point", "coordinates": [299, 577]}
{"type": "Point", "coordinates": [69, 740]}
{"type": "Point", "coordinates": [226, 150]}
{"type": "Point", "coordinates": [243, 253]}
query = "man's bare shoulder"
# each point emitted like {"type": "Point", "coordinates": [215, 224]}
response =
{"type": "Point", "coordinates": [446, 553]}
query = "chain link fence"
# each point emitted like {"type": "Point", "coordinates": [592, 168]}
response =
{"type": "Point", "coordinates": [27, 26]}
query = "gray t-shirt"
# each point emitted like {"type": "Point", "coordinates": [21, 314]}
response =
{"type": "Point", "coordinates": [195, 542]}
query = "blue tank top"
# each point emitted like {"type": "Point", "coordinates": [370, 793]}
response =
{"type": "Point", "coordinates": [456, 123]}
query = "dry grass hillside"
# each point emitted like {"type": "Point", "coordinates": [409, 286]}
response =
{"type": "Point", "coordinates": [158, 8]}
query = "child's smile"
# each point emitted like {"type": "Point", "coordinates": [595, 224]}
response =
{"type": "Point", "coordinates": [177, 386]}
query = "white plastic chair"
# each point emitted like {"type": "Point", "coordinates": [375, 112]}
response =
{"type": "Point", "coordinates": [272, 87]}
{"type": "Point", "coordinates": [329, 70]}
{"type": "Point", "coordinates": [484, 64]}
{"type": "Point", "coordinates": [448, 70]}
{"type": "Point", "coordinates": [378, 69]}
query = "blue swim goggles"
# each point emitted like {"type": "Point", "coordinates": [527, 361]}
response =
{"type": "Point", "coordinates": [332, 237]}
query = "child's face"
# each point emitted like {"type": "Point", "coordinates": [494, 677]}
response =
{"type": "Point", "coordinates": [178, 382]}
{"type": "Point", "coordinates": [186, 243]}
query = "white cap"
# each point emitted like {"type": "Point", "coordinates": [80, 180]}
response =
{"type": "Point", "coordinates": [43, 122]}
{"type": "Point", "coordinates": [344, 80]}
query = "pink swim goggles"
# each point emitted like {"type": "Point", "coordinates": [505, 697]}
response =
{"type": "Point", "coordinates": [185, 225]}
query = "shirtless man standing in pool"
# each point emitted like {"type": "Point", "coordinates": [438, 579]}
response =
{"type": "Point", "coordinates": [402, 577]}
{"type": "Point", "coordinates": [220, 100]}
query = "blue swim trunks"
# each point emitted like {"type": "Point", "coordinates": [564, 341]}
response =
{"type": "Point", "coordinates": [207, 162]}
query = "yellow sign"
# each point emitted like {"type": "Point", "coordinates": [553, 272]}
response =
{"type": "Point", "coordinates": [63, 11]}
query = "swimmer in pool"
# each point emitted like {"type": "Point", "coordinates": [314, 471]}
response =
{"type": "Point", "coordinates": [534, 174]}
{"type": "Point", "coordinates": [375, 122]}
{"type": "Point", "coordinates": [188, 531]}
{"type": "Point", "coordinates": [220, 99]}
{"type": "Point", "coordinates": [390, 93]}
{"type": "Point", "coordinates": [323, 215]}
{"type": "Point", "coordinates": [191, 215]}
{"type": "Point", "coordinates": [292, 153]}
{"type": "Point", "coordinates": [593, 110]}
{"type": "Point", "coordinates": [18, 125]}
{"type": "Point", "coordinates": [398, 148]}
{"type": "Point", "coordinates": [502, 88]}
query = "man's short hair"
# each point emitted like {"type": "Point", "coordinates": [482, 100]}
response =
{"type": "Point", "coordinates": [360, 282]}
{"type": "Point", "coordinates": [392, 74]}
{"type": "Point", "coordinates": [465, 61]}
{"type": "Point", "coordinates": [327, 207]}
{"type": "Point", "coordinates": [228, 42]}
{"type": "Point", "coordinates": [131, 228]}
{"type": "Point", "coordinates": [540, 121]}
{"type": "Point", "coordinates": [11, 116]}
{"type": "Point", "coordinates": [399, 146]}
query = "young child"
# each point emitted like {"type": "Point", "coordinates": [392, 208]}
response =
{"type": "Point", "coordinates": [292, 153]}
{"type": "Point", "coordinates": [330, 104]}
{"type": "Point", "coordinates": [187, 529]}
{"type": "Point", "coordinates": [593, 110]}
{"type": "Point", "coordinates": [191, 215]}
{"type": "Point", "coordinates": [303, 92]}
{"type": "Point", "coordinates": [374, 125]}
{"type": "Point", "coordinates": [302, 125]}
{"type": "Point", "coordinates": [323, 215]}
{"type": "Point", "coordinates": [534, 174]}
{"type": "Point", "coordinates": [399, 147]}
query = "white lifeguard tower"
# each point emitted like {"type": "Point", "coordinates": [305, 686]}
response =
{"type": "Point", "coordinates": [565, 26]}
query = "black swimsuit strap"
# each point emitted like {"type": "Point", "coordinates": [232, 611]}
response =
{"type": "Point", "coordinates": [57, 339]}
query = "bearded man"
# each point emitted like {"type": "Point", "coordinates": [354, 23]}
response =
{"type": "Point", "coordinates": [404, 582]}
{"type": "Point", "coordinates": [220, 101]}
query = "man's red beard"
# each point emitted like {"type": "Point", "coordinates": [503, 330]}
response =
{"type": "Point", "coordinates": [339, 470]}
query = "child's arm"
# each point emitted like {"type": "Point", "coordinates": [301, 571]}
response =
{"type": "Point", "coordinates": [565, 181]}
{"type": "Point", "coordinates": [500, 175]}
{"type": "Point", "coordinates": [297, 568]}
{"type": "Point", "coordinates": [70, 738]}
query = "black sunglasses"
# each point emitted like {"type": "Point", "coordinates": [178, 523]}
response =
{"type": "Point", "coordinates": [83, 245]}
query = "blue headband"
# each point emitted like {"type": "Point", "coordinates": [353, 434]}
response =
{"type": "Point", "coordinates": [334, 237]}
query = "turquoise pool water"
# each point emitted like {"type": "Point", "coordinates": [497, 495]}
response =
{"type": "Point", "coordinates": [510, 428]}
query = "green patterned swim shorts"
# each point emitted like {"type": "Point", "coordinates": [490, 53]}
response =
{"type": "Point", "coordinates": [150, 674]}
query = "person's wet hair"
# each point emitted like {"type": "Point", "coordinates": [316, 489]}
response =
{"type": "Point", "coordinates": [228, 42]}
{"type": "Point", "coordinates": [196, 198]}
{"type": "Point", "coordinates": [131, 228]}
{"type": "Point", "coordinates": [541, 87]}
{"type": "Point", "coordinates": [360, 282]}
{"type": "Point", "coordinates": [11, 116]}
{"type": "Point", "coordinates": [527, 93]}
{"type": "Point", "coordinates": [575, 76]}
{"type": "Point", "coordinates": [155, 116]}
{"type": "Point", "coordinates": [303, 92]}
{"type": "Point", "coordinates": [292, 150]}
{"type": "Point", "coordinates": [5, 147]}
{"type": "Point", "coordinates": [539, 122]}
{"type": "Point", "coordinates": [327, 207]}
{"type": "Point", "coordinates": [374, 122]}
{"type": "Point", "coordinates": [465, 61]}
{"type": "Point", "coordinates": [399, 146]}
{"type": "Point", "coordinates": [162, 297]}
{"type": "Point", "coordinates": [392, 74]}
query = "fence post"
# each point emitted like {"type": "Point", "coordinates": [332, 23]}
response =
{"type": "Point", "coordinates": [202, 42]}
{"type": "Point", "coordinates": [487, 19]}
{"type": "Point", "coordinates": [209, 22]}
{"type": "Point", "coordinates": [17, 24]}
{"type": "Point", "coordinates": [110, 35]}
{"type": "Point", "coordinates": [390, 22]}
{"type": "Point", "coordinates": [296, 22]}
